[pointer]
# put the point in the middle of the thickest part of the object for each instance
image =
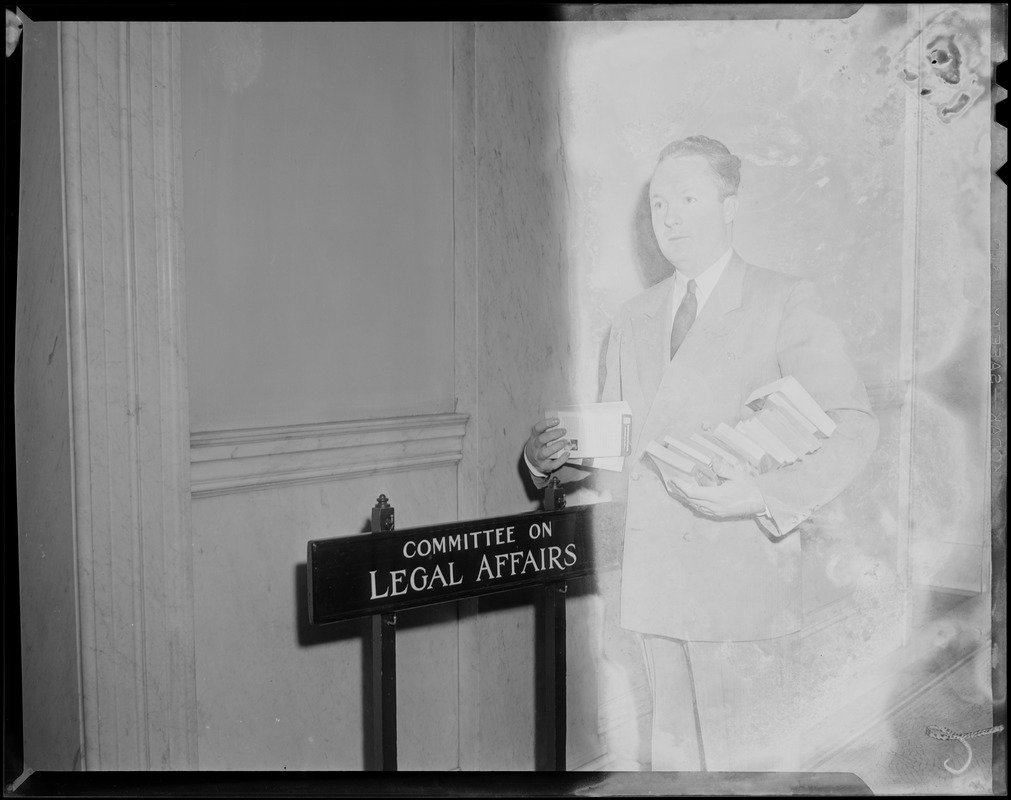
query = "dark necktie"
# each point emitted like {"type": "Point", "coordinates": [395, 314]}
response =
{"type": "Point", "coordinates": [683, 319]}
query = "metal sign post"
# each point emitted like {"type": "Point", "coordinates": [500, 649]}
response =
{"type": "Point", "coordinates": [551, 639]}
{"type": "Point", "coordinates": [383, 646]}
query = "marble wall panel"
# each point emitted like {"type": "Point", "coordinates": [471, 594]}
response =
{"type": "Point", "coordinates": [951, 388]}
{"type": "Point", "coordinates": [814, 111]}
{"type": "Point", "coordinates": [319, 242]}
{"type": "Point", "coordinates": [524, 359]}
{"type": "Point", "coordinates": [465, 346]}
{"type": "Point", "coordinates": [275, 693]}
{"type": "Point", "coordinates": [523, 310]}
{"type": "Point", "coordinates": [319, 220]}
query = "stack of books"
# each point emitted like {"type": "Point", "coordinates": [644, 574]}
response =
{"type": "Point", "coordinates": [786, 425]}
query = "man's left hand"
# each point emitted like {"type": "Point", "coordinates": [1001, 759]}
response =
{"type": "Point", "coordinates": [738, 496]}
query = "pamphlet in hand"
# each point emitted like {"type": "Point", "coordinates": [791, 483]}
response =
{"type": "Point", "coordinates": [597, 434]}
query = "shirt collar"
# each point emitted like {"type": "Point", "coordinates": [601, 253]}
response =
{"type": "Point", "coordinates": [709, 277]}
{"type": "Point", "coordinates": [706, 281]}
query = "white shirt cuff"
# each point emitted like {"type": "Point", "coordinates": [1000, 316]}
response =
{"type": "Point", "coordinates": [533, 470]}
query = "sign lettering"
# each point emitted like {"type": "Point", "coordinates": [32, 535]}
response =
{"type": "Point", "coordinates": [356, 576]}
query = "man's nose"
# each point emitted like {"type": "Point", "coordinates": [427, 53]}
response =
{"type": "Point", "coordinates": [672, 217]}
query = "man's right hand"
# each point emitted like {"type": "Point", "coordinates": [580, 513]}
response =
{"type": "Point", "coordinates": [546, 449]}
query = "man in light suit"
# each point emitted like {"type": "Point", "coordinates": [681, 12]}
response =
{"type": "Point", "coordinates": [711, 576]}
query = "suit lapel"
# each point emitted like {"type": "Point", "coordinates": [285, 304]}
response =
{"type": "Point", "coordinates": [720, 315]}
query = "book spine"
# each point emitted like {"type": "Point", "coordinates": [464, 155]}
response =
{"type": "Point", "coordinates": [711, 443]}
{"type": "Point", "coordinates": [746, 430]}
{"type": "Point", "coordinates": [738, 443]}
{"type": "Point", "coordinates": [808, 440]}
{"type": "Point", "coordinates": [769, 441]}
{"type": "Point", "coordinates": [788, 409]}
{"type": "Point", "coordinates": [808, 406]}
{"type": "Point", "coordinates": [784, 431]}
{"type": "Point", "coordinates": [666, 456]}
{"type": "Point", "coordinates": [686, 449]}
{"type": "Point", "coordinates": [673, 465]}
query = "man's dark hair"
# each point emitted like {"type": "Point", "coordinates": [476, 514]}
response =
{"type": "Point", "coordinates": [725, 164]}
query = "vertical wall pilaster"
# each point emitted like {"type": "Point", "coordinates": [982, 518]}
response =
{"type": "Point", "coordinates": [126, 315]}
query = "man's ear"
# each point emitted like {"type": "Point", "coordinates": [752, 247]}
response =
{"type": "Point", "coordinates": [729, 208]}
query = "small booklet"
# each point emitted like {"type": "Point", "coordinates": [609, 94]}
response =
{"type": "Point", "coordinates": [596, 434]}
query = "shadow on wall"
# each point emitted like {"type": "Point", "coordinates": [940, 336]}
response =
{"type": "Point", "coordinates": [309, 635]}
{"type": "Point", "coordinates": [652, 265]}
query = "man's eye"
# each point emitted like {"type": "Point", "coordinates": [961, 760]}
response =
{"type": "Point", "coordinates": [691, 200]}
{"type": "Point", "coordinates": [657, 205]}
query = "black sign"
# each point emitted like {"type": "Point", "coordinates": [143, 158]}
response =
{"type": "Point", "coordinates": [380, 573]}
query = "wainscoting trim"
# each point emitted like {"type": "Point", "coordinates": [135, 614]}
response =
{"type": "Point", "coordinates": [249, 459]}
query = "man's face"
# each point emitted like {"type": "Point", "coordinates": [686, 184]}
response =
{"type": "Point", "coordinates": [690, 221]}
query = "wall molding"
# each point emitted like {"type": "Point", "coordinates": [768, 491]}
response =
{"type": "Point", "coordinates": [250, 459]}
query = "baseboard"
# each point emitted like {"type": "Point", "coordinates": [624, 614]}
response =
{"type": "Point", "coordinates": [20, 779]}
{"type": "Point", "coordinates": [601, 763]}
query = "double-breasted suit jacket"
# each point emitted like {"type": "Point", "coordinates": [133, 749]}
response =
{"type": "Point", "coordinates": [689, 577]}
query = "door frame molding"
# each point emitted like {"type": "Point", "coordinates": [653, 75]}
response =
{"type": "Point", "coordinates": [122, 174]}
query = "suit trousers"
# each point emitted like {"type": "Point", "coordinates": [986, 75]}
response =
{"type": "Point", "coordinates": [724, 706]}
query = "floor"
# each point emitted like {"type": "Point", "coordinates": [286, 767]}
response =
{"type": "Point", "coordinates": [878, 732]}
{"type": "Point", "coordinates": [947, 685]}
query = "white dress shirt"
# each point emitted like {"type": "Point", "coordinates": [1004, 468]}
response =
{"type": "Point", "coordinates": [704, 285]}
